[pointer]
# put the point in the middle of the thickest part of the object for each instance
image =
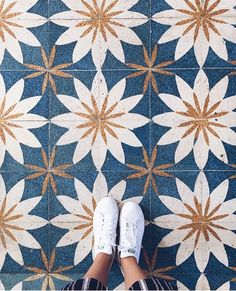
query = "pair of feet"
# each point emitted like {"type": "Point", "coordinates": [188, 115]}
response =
{"type": "Point", "coordinates": [131, 229]}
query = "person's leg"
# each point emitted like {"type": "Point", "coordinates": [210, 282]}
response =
{"type": "Point", "coordinates": [131, 271]}
{"type": "Point", "coordinates": [131, 234]}
{"type": "Point", "coordinates": [100, 268]}
{"type": "Point", "coordinates": [104, 229]}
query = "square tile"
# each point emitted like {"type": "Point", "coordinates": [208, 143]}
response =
{"type": "Point", "coordinates": [57, 267]}
{"type": "Point", "coordinates": [70, 83]}
{"type": "Point", "coordinates": [128, 46]}
{"type": "Point", "coordinates": [168, 48]}
{"type": "Point", "coordinates": [65, 43]}
{"type": "Point", "coordinates": [30, 10]}
{"type": "Point", "coordinates": [20, 150]}
{"type": "Point", "coordinates": [168, 199]}
{"type": "Point", "coordinates": [185, 130]}
{"type": "Point", "coordinates": [188, 213]}
{"type": "Point", "coordinates": [167, 85]}
{"type": "Point", "coordinates": [128, 153]}
{"type": "Point", "coordinates": [28, 38]}
{"type": "Point", "coordinates": [127, 83]}
{"type": "Point", "coordinates": [186, 35]}
{"type": "Point", "coordinates": [29, 242]}
{"type": "Point", "coordinates": [27, 91]}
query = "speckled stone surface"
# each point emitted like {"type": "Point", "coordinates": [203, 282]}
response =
{"type": "Point", "coordinates": [130, 99]}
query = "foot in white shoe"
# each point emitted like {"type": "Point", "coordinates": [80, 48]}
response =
{"type": "Point", "coordinates": [131, 230]}
{"type": "Point", "coordinates": [104, 226]}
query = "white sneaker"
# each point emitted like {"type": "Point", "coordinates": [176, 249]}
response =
{"type": "Point", "coordinates": [131, 230]}
{"type": "Point", "coordinates": [104, 226]}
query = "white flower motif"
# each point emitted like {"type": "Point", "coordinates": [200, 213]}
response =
{"type": "Point", "coordinates": [101, 122]}
{"type": "Point", "coordinates": [15, 221]}
{"type": "Point", "coordinates": [201, 119]}
{"type": "Point", "coordinates": [15, 121]}
{"type": "Point", "coordinates": [99, 25]}
{"type": "Point", "coordinates": [17, 287]}
{"type": "Point", "coordinates": [200, 24]}
{"type": "Point", "coordinates": [203, 284]}
{"type": "Point", "coordinates": [79, 221]}
{"type": "Point", "coordinates": [14, 24]}
{"type": "Point", "coordinates": [202, 222]}
{"type": "Point", "coordinates": [117, 193]}
{"type": "Point", "coordinates": [121, 286]}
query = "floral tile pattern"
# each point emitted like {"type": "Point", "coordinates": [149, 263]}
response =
{"type": "Point", "coordinates": [130, 99]}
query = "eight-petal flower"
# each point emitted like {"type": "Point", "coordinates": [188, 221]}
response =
{"type": "Point", "coordinates": [99, 25]}
{"type": "Point", "coordinates": [15, 222]}
{"type": "Point", "coordinates": [151, 270]}
{"type": "Point", "coordinates": [49, 171]}
{"type": "Point", "coordinates": [100, 122]}
{"type": "Point", "coordinates": [201, 119]}
{"type": "Point", "coordinates": [49, 273]}
{"type": "Point", "coordinates": [48, 70]}
{"type": "Point", "coordinates": [149, 69]}
{"type": "Point", "coordinates": [199, 24]}
{"type": "Point", "coordinates": [202, 222]}
{"type": "Point", "coordinates": [15, 121]}
{"type": "Point", "coordinates": [150, 170]}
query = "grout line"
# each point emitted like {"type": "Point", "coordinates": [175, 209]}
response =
{"type": "Point", "coordinates": [150, 115]}
{"type": "Point", "coordinates": [50, 18]}
{"type": "Point", "coordinates": [123, 69]}
{"type": "Point", "coordinates": [84, 18]}
{"type": "Point", "coordinates": [132, 171]}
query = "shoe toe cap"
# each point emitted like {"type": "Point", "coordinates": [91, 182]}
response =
{"type": "Point", "coordinates": [132, 211]}
{"type": "Point", "coordinates": [107, 205]}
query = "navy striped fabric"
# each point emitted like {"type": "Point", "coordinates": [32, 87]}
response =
{"type": "Point", "coordinates": [147, 284]}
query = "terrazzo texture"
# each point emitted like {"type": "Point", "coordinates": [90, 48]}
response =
{"type": "Point", "coordinates": [129, 99]}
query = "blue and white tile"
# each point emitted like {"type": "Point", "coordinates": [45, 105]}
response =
{"type": "Point", "coordinates": [25, 31]}
{"type": "Point", "coordinates": [128, 49]}
{"type": "Point", "coordinates": [59, 71]}
{"type": "Point", "coordinates": [167, 50]}
{"type": "Point", "coordinates": [204, 101]}
{"type": "Point", "coordinates": [194, 206]}
{"type": "Point", "coordinates": [190, 34]}
{"type": "Point", "coordinates": [18, 121]}
{"type": "Point", "coordinates": [66, 51]}
{"type": "Point", "coordinates": [20, 233]}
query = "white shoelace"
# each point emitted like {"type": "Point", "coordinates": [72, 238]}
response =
{"type": "Point", "coordinates": [128, 241]}
{"type": "Point", "coordinates": [107, 237]}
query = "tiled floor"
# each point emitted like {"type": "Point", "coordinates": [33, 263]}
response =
{"type": "Point", "coordinates": [123, 98]}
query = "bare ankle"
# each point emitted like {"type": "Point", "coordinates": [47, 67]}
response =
{"type": "Point", "coordinates": [104, 257]}
{"type": "Point", "coordinates": [128, 260]}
